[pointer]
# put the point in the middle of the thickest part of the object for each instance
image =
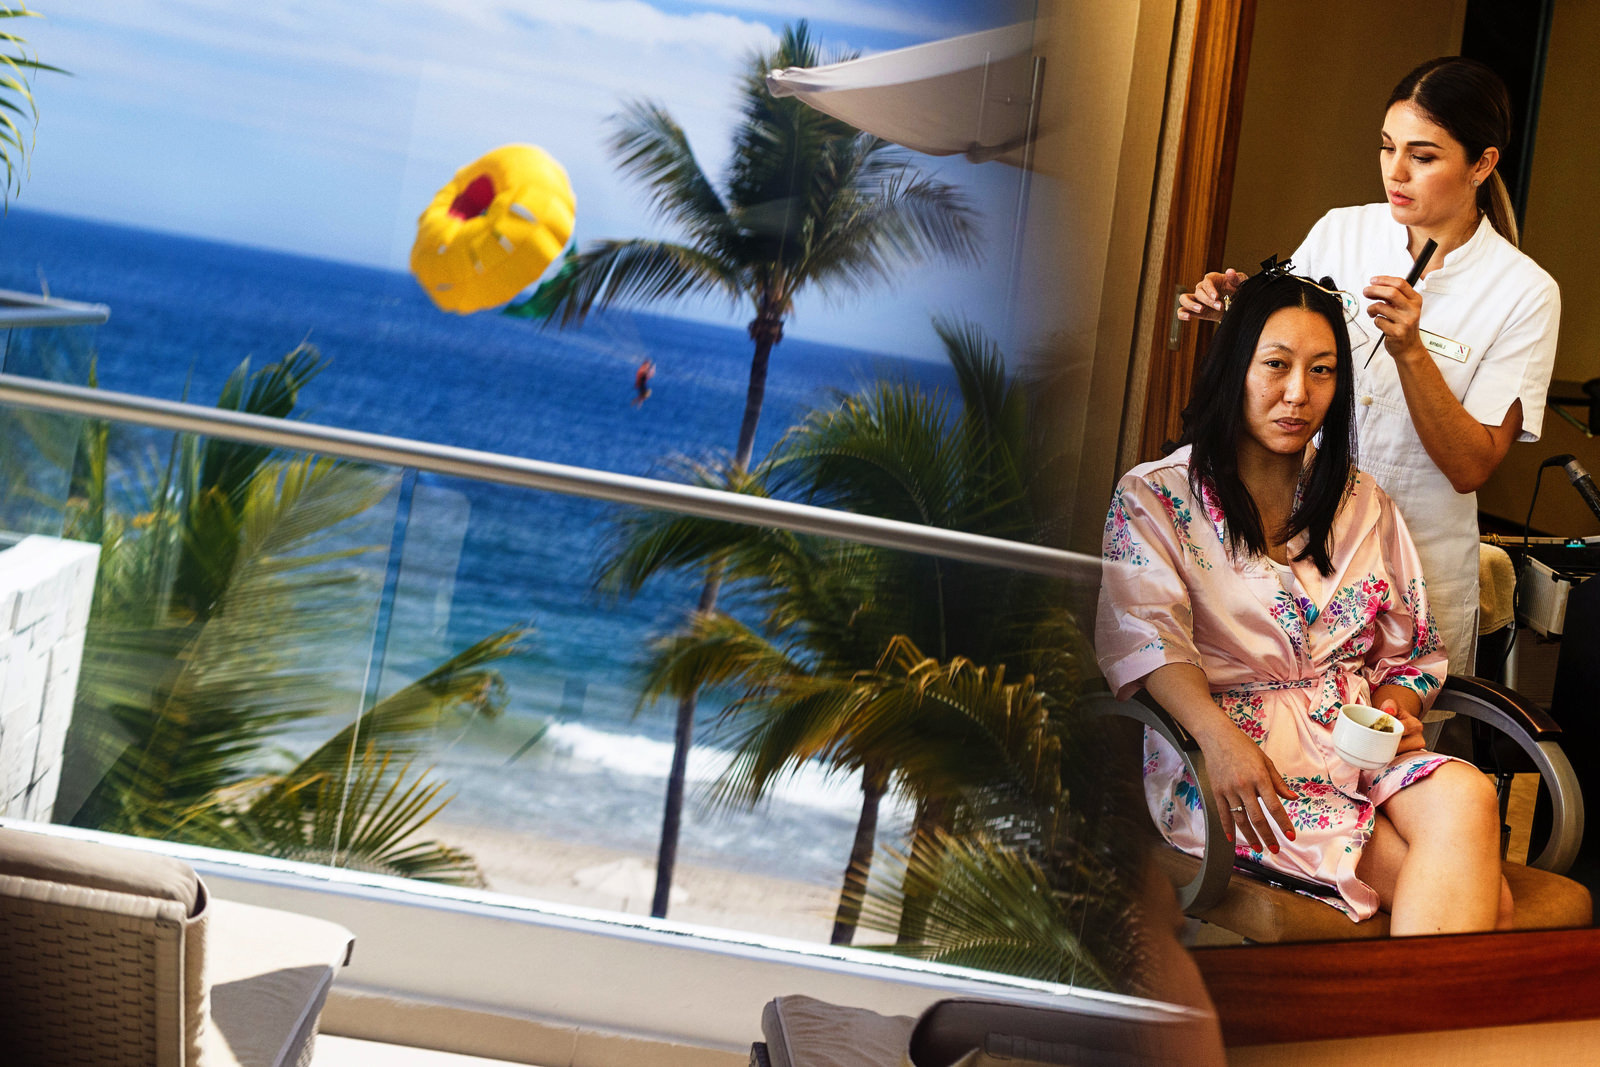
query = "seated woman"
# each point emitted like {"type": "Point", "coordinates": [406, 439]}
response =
{"type": "Point", "coordinates": [1253, 583]}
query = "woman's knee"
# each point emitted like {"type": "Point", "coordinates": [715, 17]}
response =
{"type": "Point", "coordinates": [1456, 797]}
{"type": "Point", "coordinates": [1472, 792]}
{"type": "Point", "coordinates": [1507, 910]}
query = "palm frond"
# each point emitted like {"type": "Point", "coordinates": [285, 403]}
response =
{"type": "Point", "coordinates": [991, 401]}
{"type": "Point", "coordinates": [635, 271]}
{"type": "Point", "coordinates": [463, 686]}
{"type": "Point", "coordinates": [650, 145]}
{"type": "Point", "coordinates": [16, 96]}
{"type": "Point", "coordinates": [872, 235]}
{"type": "Point", "coordinates": [645, 542]}
{"type": "Point", "coordinates": [883, 452]}
{"type": "Point", "coordinates": [367, 821]}
{"type": "Point", "coordinates": [957, 731]}
{"type": "Point", "coordinates": [998, 909]}
{"type": "Point", "coordinates": [712, 651]}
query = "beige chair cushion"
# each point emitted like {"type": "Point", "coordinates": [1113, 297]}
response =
{"type": "Point", "coordinates": [96, 866]}
{"type": "Point", "coordinates": [1267, 914]}
{"type": "Point", "coordinates": [116, 928]}
{"type": "Point", "coordinates": [805, 1032]}
{"type": "Point", "coordinates": [1545, 901]}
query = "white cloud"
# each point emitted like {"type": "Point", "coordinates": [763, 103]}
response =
{"type": "Point", "coordinates": [913, 22]}
{"type": "Point", "coordinates": [393, 36]}
{"type": "Point", "coordinates": [324, 128]}
{"type": "Point", "coordinates": [414, 88]}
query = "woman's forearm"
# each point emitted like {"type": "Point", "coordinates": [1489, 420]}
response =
{"type": "Point", "coordinates": [1246, 787]}
{"type": "Point", "coordinates": [1463, 448]}
{"type": "Point", "coordinates": [1182, 689]}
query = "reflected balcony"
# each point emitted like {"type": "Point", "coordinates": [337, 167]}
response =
{"type": "Point", "coordinates": [377, 680]}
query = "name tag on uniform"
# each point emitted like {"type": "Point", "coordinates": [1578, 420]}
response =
{"type": "Point", "coordinates": [1443, 346]}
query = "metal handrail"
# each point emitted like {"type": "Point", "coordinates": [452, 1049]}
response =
{"type": "Point", "coordinates": [34, 311]}
{"type": "Point", "coordinates": [342, 443]}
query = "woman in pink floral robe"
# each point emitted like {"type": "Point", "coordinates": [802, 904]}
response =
{"type": "Point", "coordinates": [1279, 633]}
{"type": "Point", "coordinates": [1280, 655]}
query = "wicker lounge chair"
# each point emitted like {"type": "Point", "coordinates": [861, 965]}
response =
{"type": "Point", "coordinates": [114, 956]}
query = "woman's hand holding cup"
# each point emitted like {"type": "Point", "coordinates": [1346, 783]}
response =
{"type": "Point", "coordinates": [1410, 727]}
{"type": "Point", "coordinates": [1369, 737]}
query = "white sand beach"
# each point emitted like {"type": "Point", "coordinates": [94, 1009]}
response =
{"type": "Point", "coordinates": [593, 876]}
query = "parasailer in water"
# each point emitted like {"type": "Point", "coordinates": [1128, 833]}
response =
{"type": "Point", "coordinates": [641, 381]}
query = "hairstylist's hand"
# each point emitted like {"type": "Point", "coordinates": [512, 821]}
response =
{"type": "Point", "coordinates": [1246, 787]}
{"type": "Point", "coordinates": [1410, 727]}
{"type": "Point", "coordinates": [1206, 300]}
{"type": "Point", "coordinates": [1396, 310]}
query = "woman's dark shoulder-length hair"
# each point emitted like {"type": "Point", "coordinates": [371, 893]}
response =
{"type": "Point", "coordinates": [1214, 422]}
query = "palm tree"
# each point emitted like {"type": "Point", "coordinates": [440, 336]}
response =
{"type": "Point", "coordinates": [835, 670]}
{"type": "Point", "coordinates": [809, 203]}
{"type": "Point", "coordinates": [17, 99]}
{"type": "Point", "coordinates": [227, 584]}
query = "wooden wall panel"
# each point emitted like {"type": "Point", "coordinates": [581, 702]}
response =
{"type": "Point", "coordinates": [1202, 191]}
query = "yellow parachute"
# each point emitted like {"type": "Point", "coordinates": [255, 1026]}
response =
{"type": "Point", "coordinates": [493, 229]}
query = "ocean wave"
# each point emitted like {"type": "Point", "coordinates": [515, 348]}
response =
{"type": "Point", "coordinates": [812, 785]}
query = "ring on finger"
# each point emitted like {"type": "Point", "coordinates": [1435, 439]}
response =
{"type": "Point", "coordinates": [1239, 808]}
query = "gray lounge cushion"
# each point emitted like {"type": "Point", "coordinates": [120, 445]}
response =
{"type": "Point", "coordinates": [970, 1032]}
{"type": "Point", "coordinates": [805, 1032]}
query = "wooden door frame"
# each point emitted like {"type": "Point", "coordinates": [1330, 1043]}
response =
{"type": "Point", "coordinates": [1206, 124]}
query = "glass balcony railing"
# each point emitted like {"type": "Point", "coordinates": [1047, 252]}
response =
{"type": "Point", "coordinates": [427, 661]}
{"type": "Point", "coordinates": [53, 340]}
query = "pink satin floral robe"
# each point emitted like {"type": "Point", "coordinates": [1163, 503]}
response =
{"type": "Point", "coordinates": [1279, 664]}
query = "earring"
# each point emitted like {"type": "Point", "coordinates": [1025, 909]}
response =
{"type": "Point", "coordinates": [1475, 183]}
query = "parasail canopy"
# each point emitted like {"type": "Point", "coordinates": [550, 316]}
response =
{"type": "Point", "coordinates": [493, 229]}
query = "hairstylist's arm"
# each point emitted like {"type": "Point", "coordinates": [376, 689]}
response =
{"type": "Point", "coordinates": [1466, 450]}
{"type": "Point", "coordinates": [1244, 782]}
{"type": "Point", "coordinates": [1206, 300]}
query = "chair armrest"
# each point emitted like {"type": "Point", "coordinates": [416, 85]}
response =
{"type": "Point", "coordinates": [1206, 889]}
{"type": "Point", "coordinates": [1509, 706]}
{"type": "Point", "coordinates": [1540, 739]}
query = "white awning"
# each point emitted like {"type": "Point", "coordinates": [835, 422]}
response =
{"type": "Point", "coordinates": [965, 95]}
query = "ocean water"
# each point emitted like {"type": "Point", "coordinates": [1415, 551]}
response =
{"type": "Point", "coordinates": [475, 558]}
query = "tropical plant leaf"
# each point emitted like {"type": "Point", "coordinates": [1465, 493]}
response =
{"type": "Point", "coordinates": [16, 96]}
{"type": "Point", "coordinates": [463, 686]}
{"type": "Point", "coordinates": [229, 602]}
{"type": "Point", "coordinates": [367, 820]}
{"type": "Point", "coordinates": [809, 201]}
{"type": "Point", "coordinates": [998, 909]}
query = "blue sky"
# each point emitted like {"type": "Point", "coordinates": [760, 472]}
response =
{"type": "Point", "coordinates": [324, 127]}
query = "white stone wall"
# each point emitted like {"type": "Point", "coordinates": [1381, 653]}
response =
{"type": "Point", "coordinates": [46, 587]}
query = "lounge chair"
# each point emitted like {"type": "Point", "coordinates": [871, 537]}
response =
{"type": "Point", "coordinates": [115, 956]}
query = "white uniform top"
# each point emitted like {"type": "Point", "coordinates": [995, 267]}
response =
{"type": "Point", "coordinates": [1489, 317]}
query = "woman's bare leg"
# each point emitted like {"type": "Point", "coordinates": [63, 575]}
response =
{"type": "Point", "coordinates": [1434, 857]}
{"type": "Point", "coordinates": [1382, 859]}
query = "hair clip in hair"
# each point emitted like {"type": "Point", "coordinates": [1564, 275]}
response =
{"type": "Point", "coordinates": [1272, 266]}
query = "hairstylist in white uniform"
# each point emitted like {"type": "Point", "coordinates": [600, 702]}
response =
{"type": "Point", "coordinates": [1459, 364]}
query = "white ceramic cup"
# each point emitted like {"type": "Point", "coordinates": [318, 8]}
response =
{"type": "Point", "coordinates": [1358, 744]}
